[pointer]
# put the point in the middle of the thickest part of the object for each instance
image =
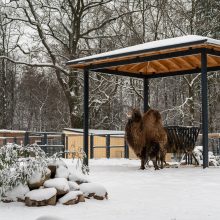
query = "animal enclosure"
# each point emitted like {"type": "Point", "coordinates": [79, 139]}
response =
{"type": "Point", "coordinates": [102, 144]}
{"type": "Point", "coordinates": [50, 142]}
{"type": "Point", "coordinates": [195, 54]}
{"type": "Point", "coordinates": [105, 144]}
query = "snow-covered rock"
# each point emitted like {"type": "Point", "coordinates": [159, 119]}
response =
{"type": "Point", "coordinates": [41, 197]}
{"type": "Point", "coordinates": [16, 194]}
{"type": "Point", "coordinates": [213, 160]}
{"type": "Point", "coordinates": [38, 179]}
{"type": "Point", "coordinates": [78, 177]}
{"type": "Point", "coordinates": [72, 197]}
{"type": "Point", "coordinates": [61, 185]}
{"type": "Point", "coordinates": [73, 186]}
{"type": "Point", "coordinates": [62, 172]}
{"type": "Point", "coordinates": [52, 169]}
{"type": "Point", "coordinates": [94, 189]}
{"type": "Point", "coordinates": [54, 164]}
{"type": "Point", "coordinates": [198, 154]}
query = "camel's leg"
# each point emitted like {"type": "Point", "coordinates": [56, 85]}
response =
{"type": "Point", "coordinates": [143, 158]}
{"type": "Point", "coordinates": [161, 162]}
{"type": "Point", "coordinates": [155, 164]}
{"type": "Point", "coordinates": [154, 160]}
{"type": "Point", "coordinates": [142, 164]}
{"type": "Point", "coordinates": [162, 155]}
{"type": "Point", "coordinates": [158, 160]}
{"type": "Point", "coordinates": [156, 155]}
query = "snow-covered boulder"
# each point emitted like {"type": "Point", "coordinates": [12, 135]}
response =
{"type": "Point", "coordinates": [73, 186]}
{"type": "Point", "coordinates": [38, 178]}
{"type": "Point", "coordinates": [61, 185]}
{"type": "Point", "coordinates": [52, 169]}
{"type": "Point", "coordinates": [53, 164]}
{"type": "Point", "coordinates": [72, 198]}
{"type": "Point", "coordinates": [213, 160]}
{"type": "Point", "coordinates": [56, 162]}
{"type": "Point", "coordinates": [198, 154]}
{"type": "Point", "coordinates": [16, 194]}
{"type": "Point", "coordinates": [62, 172]}
{"type": "Point", "coordinates": [94, 189]}
{"type": "Point", "coordinates": [211, 155]}
{"type": "Point", "coordinates": [41, 197]}
{"type": "Point", "coordinates": [78, 177]}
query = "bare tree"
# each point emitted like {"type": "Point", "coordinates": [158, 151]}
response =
{"type": "Point", "coordinates": [7, 71]}
{"type": "Point", "coordinates": [59, 31]}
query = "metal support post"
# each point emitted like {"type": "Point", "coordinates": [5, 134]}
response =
{"type": "Point", "coordinates": [86, 116]}
{"type": "Point", "coordinates": [204, 85]}
{"type": "Point", "coordinates": [108, 153]}
{"type": "Point", "coordinates": [146, 94]}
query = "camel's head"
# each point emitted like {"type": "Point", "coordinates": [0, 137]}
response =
{"type": "Point", "coordinates": [134, 115]}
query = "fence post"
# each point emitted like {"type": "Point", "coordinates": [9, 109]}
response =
{"type": "Point", "coordinates": [108, 146]}
{"type": "Point", "coordinates": [45, 139]}
{"type": "Point", "coordinates": [218, 147]}
{"type": "Point", "coordinates": [63, 143]}
{"type": "Point", "coordinates": [5, 141]}
{"type": "Point", "coordinates": [126, 150]}
{"type": "Point", "coordinates": [45, 142]}
{"type": "Point", "coordinates": [91, 146]}
{"type": "Point", "coordinates": [67, 145]}
{"type": "Point", "coordinates": [26, 138]}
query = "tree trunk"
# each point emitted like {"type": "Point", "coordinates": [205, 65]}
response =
{"type": "Point", "coordinates": [3, 124]}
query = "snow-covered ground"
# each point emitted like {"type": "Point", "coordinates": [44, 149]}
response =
{"type": "Point", "coordinates": [169, 194]}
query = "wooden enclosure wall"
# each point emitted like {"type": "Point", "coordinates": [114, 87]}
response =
{"type": "Point", "coordinates": [75, 141]}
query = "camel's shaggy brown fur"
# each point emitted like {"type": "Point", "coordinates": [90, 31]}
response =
{"type": "Point", "coordinates": [147, 137]}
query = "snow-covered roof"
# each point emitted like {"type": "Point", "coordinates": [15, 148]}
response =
{"type": "Point", "coordinates": [96, 132]}
{"type": "Point", "coordinates": [149, 46]}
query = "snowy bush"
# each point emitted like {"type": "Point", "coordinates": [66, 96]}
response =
{"type": "Point", "coordinates": [18, 164]}
{"type": "Point", "coordinates": [213, 160]}
{"type": "Point", "coordinates": [28, 166]}
{"type": "Point", "coordinates": [78, 155]}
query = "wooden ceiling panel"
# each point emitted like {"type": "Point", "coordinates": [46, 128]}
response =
{"type": "Point", "coordinates": [213, 60]}
{"type": "Point", "coordinates": [161, 66]}
{"type": "Point", "coordinates": [156, 67]}
{"type": "Point", "coordinates": [168, 65]}
{"type": "Point", "coordinates": [183, 63]}
{"type": "Point", "coordinates": [194, 60]}
{"type": "Point", "coordinates": [139, 66]}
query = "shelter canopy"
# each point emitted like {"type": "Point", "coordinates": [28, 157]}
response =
{"type": "Point", "coordinates": [174, 56]}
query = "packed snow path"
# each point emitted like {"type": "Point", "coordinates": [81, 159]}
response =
{"type": "Point", "coordinates": [169, 194]}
